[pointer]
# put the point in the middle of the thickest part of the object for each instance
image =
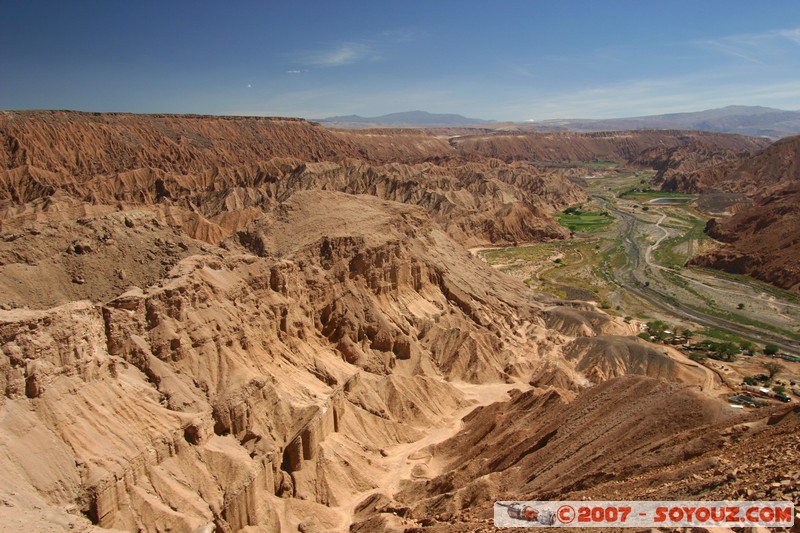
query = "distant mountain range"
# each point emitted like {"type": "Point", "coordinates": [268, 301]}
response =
{"type": "Point", "coordinates": [408, 119]}
{"type": "Point", "coordinates": [746, 120]}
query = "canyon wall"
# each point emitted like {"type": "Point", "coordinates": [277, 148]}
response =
{"type": "Point", "coordinates": [224, 324]}
{"type": "Point", "coordinates": [762, 238]}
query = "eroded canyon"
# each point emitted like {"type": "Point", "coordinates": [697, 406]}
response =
{"type": "Point", "coordinates": [251, 324]}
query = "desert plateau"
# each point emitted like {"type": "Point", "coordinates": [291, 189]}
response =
{"type": "Point", "coordinates": [255, 324]}
{"type": "Point", "coordinates": [399, 267]}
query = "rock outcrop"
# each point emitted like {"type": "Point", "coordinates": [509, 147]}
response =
{"type": "Point", "coordinates": [209, 177]}
{"type": "Point", "coordinates": [628, 437]}
{"type": "Point", "coordinates": [762, 239]}
{"type": "Point", "coordinates": [225, 324]}
{"type": "Point", "coordinates": [637, 147]}
{"type": "Point", "coordinates": [695, 165]}
{"type": "Point", "coordinates": [267, 372]}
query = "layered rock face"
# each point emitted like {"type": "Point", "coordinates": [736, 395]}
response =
{"type": "Point", "coordinates": [212, 176]}
{"type": "Point", "coordinates": [225, 324]}
{"type": "Point", "coordinates": [275, 368]}
{"type": "Point", "coordinates": [762, 239]}
{"type": "Point", "coordinates": [398, 144]}
{"type": "Point", "coordinates": [255, 383]}
{"type": "Point", "coordinates": [698, 164]}
{"type": "Point", "coordinates": [83, 145]}
{"type": "Point", "coordinates": [641, 146]}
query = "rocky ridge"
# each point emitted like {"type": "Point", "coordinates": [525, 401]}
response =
{"type": "Point", "coordinates": [225, 324]}
{"type": "Point", "coordinates": [629, 146]}
{"type": "Point", "coordinates": [591, 448]}
{"type": "Point", "coordinates": [258, 383]}
{"type": "Point", "coordinates": [762, 239]}
{"type": "Point", "coordinates": [696, 166]}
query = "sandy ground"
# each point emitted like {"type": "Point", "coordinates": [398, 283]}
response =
{"type": "Point", "coordinates": [412, 460]}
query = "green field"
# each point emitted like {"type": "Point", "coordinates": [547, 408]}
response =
{"type": "Point", "coordinates": [531, 253]}
{"type": "Point", "coordinates": [718, 334]}
{"type": "Point", "coordinates": [585, 267]}
{"type": "Point", "coordinates": [577, 220]}
{"type": "Point", "coordinates": [599, 165]}
{"type": "Point", "coordinates": [582, 264]}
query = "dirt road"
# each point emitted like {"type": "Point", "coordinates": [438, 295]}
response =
{"type": "Point", "coordinates": [634, 278]}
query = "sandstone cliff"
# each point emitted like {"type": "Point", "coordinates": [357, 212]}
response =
{"type": "Point", "coordinates": [225, 324]}
{"type": "Point", "coordinates": [253, 384]}
{"type": "Point", "coordinates": [763, 239]}
{"type": "Point", "coordinates": [629, 146]}
{"type": "Point", "coordinates": [211, 176]}
{"type": "Point", "coordinates": [698, 164]}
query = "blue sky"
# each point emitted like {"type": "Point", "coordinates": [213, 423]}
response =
{"type": "Point", "coordinates": [499, 59]}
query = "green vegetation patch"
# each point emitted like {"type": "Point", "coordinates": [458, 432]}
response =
{"type": "Point", "coordinates": [676, 251]}
{"type": "Point", "coordinates": [576, 219]}
{"type": "Point", "coordinates": [533, 253]}
{"type": "Point", "coordinates": [599, 165]}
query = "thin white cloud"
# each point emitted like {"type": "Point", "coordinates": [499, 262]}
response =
{"type": "Point", "coordinates": [525, 71]}
{"type": "Point", "coordinates": [759, 48]}
{"type": "Point", "coordinates": [745, 51]}
{"type": "Point", "coordinates": [342, 54]}
{"type": "Point", "coordinates": [792, 35]}
{"type": "Point", "coordinates": [766, 71]}
{"type": "Point", "coordinates": [368, 48]}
